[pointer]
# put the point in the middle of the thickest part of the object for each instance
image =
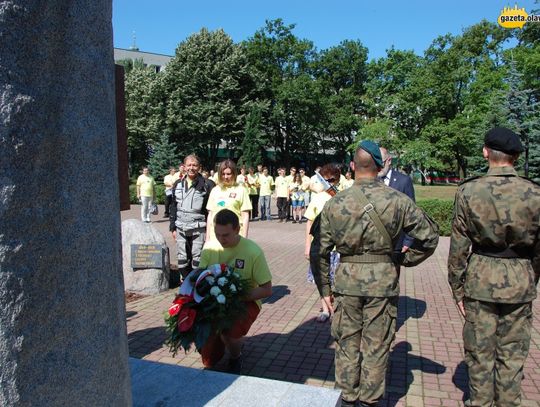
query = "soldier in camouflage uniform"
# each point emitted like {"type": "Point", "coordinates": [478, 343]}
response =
{"type": "Point", "coordinates": [496, 217]}
{"type": "Point", "coordinates": [366, 282]}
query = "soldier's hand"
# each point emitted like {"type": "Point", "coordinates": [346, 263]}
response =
{"type": "Point", "coordinates": [404, 249]}
{"type": "Point", "coordinates": [174, 234]}
{"type": "Point", "coordinates": [461, 308]}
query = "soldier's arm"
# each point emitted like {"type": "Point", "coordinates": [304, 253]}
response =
{"type": "Point", "coordinates": [327, 244]}
{"type": "Point", "coordinates": [425, 232]}
{"type": "Point", "coordinates": [536, 258]}
{"type": "Point", "coordinates": [459, 249]}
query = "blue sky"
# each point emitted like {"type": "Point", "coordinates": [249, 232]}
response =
{"type": "Point", "coordinates": [161, 25]}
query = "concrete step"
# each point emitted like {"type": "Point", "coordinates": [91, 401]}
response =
{"type": "Point", "coordinates": [163, 385]}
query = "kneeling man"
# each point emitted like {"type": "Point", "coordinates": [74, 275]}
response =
{"type": "Point", "coordinates": [247, 259]}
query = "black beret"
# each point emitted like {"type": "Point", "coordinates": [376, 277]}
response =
{"type": "Point", "coordinates": [503, 139]}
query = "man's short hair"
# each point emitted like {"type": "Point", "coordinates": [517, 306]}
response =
{"type": "Point", "coordinates": [227, 217]}
{"type": "Point", "coordinates": [500, 157]}
{"type": "Point", "coordinates": [193, 157]}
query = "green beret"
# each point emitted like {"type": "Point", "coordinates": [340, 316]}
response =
{"type": "Point", "coordinates": [374, 151]}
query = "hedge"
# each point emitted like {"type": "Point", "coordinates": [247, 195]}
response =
{"type": "Point", "coordinates": [441, 211]}
{"type": "Point", "coordinates": [160, 194]}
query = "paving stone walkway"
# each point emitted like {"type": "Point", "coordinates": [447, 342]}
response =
{"type": "Point", "coordinates": [286, 343]}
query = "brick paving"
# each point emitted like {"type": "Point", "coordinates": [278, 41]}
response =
{"type": "Point", "coordinates": [286, 343]}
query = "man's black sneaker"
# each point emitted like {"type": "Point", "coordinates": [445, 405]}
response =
{"type": "Point", "coordinates": [235, 365]}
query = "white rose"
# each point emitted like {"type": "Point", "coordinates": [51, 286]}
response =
{"type": "Point", "coordinates": [215, 291]}
{"type": "Point", "coordinates": [210, 280]}
{"type": "Point", "coordinates": [233, 288]}
{"type": "Point", "coordinates": [222, 281]}
{"type": "Point", "coordinates": [221, 298]}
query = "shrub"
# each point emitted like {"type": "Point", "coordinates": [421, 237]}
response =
{"type": "Point", "coordinates": [441, 211]}
{"type": "Point", "coordinates": [160, 194]}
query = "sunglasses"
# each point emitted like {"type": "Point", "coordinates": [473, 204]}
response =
{"type": "Point", "coordinates": [329, 179]}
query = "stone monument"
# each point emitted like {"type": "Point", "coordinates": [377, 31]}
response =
{"type": "Point", "coordinates": [62, 315]}
{"type": "Point", "coordinates": [145, 258]}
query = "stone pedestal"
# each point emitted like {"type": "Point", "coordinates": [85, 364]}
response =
{"type": "Point", "coordinates": [62, 315]}
{"type": "Point", "coordinates": [144, 280]}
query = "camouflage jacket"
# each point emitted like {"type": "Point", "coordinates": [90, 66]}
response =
{"type": "Point", "coordinates": [495, 212]}
{"type": "Point", "coordinates": [346, 225]}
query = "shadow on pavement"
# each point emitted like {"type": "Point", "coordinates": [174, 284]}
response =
{"type": "Point", "coordinates": [146, 341]}
{"type": "Point", "coordinates": [400, 372]}
{"type": "Point", "coordinates": [409, 308]}
{"type": "Point", "coordinates": [461, 379]}
{"type": "Point", "coordinates": [278, 292]}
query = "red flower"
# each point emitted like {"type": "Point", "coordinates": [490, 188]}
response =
{"type": "Point", "coordinates": [182, 299]}
{"type": "Point", "coordinates": [223, 267]}
{"type": "Point", "coordinates": [186, 318]}
{"type": "Point", "coordinates": [174, 309]}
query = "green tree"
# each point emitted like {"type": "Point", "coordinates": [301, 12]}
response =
{"type": "Point", "coordinates": [282, 62]}
{"type": "Point", "coordinates": [341, 73]}
{"type": "Point", "coordinates": [253, 143]}
{"type": "Point", "coordinates": [164, 155]}
{"type": "Point", "coordinates": [144, 113]}
{"type": "Point", "coordinates": [523, 117]}
{"type": "Point", "coordinates": [209, 89]}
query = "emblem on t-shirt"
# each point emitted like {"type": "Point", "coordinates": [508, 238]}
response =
{"type": "Point", "coordinates": [239, 264]}
{"type": "Point", "coordinates": [232, 195]}
{"type": "Point", "coordinates": [221, 203]}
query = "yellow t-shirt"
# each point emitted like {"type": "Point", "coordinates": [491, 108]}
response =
{"type": "Point", "coordinates": [240, 179]}
{"type": "Point", "coordinates": [266, 183]}
{"type": "Point", "coordinates": [235, 198]}
{"type": "Point", "coordinates": [146, 184]}
{"type": "Point", "coordinates": [316, 205]}
{"type": "Point", "coordinates": [315, 185]}
{"type": "Point", "coordinates": [348, 183]}
{"type": "Point", "coordinates": [253, 181]}
{"type": "Point", "coordinates": [282, 187]}
{"type": "Point", "coordinates": [305, 182]}
{"type": "Point", "coordinates": [341, 185]}
{"type": "Point", "coordinates": [169, 181]}
{"type": "Point", "coordinates": [297, 191]}
{"type": "Point", "coordinates": [246, 258]}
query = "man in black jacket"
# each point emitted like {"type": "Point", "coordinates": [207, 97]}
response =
{"type": "Point", "coordinates": [187, 214]}
{"type": "Point", "coordinates": [402, 183]}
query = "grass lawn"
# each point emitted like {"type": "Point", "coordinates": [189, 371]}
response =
{"type": "Point", "coordinates": [435, 192]}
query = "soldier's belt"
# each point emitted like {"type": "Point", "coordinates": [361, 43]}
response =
{"type": "Point", "coordinates": [503, 254]}
{"type": "Point", "coordinates": [366, 258]}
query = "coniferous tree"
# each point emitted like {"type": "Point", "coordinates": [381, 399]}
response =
{"type": "Point", "coordinates": [253, 143]}
{"type": "Point", "coordinates": [523, 117]}
{"type": "Point", "coordinates": [163, 156]}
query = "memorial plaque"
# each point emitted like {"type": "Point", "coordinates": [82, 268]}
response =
{"type": "Point", "coordinates": [146, 256]}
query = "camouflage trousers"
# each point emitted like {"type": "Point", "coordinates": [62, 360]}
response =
{"type": "Point", "coordinates": [364, 329]}
{"type": "Point", "coordinates": [189, 245]}
{"type": "Point", "coordinates": [496, 339]}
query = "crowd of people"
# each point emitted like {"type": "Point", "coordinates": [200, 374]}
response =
{"type": "Point", "coordinates": [359, 233]}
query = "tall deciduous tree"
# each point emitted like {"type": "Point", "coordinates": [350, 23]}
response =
{"type": "Point", "coordinates": [145, 113]}
{"type": "Point", "coordinates": [341, 73]}
{"type": "Point", "coordinates": [208, 87]}
{"type": "Point", "coordinates": [283, 63]}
